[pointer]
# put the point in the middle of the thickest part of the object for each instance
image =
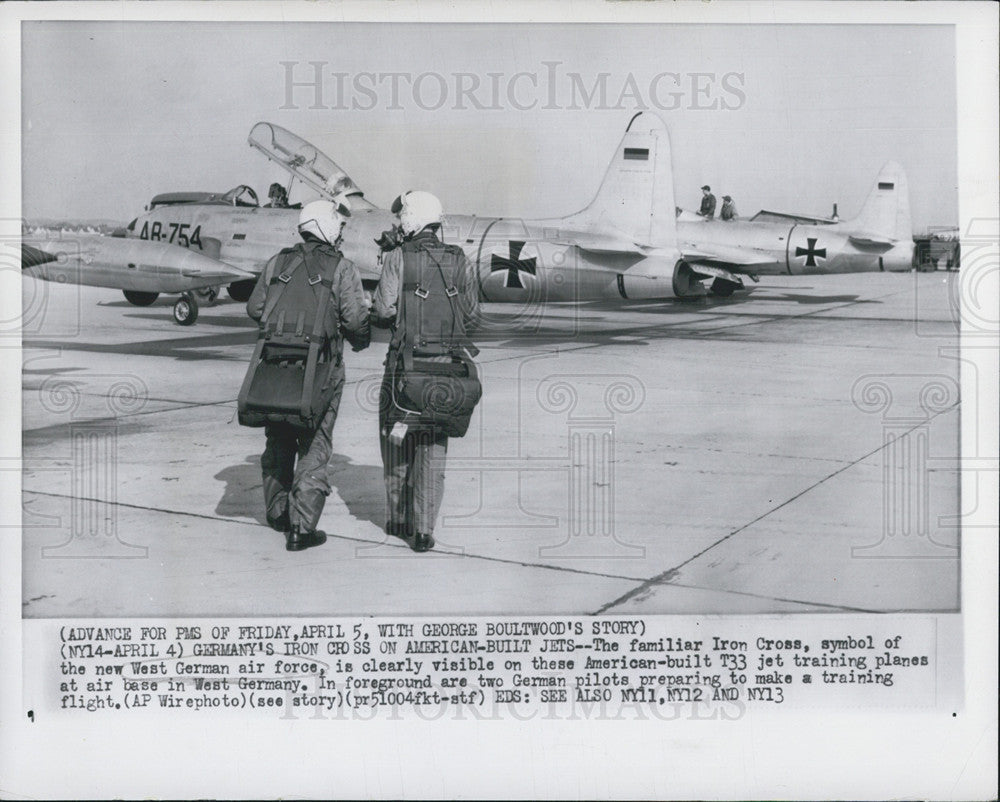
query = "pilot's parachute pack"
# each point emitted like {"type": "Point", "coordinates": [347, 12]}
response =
{"type": "Point", "coordinates": [434, 381]}
{"type": "Point", "coordinates": [291, 378]}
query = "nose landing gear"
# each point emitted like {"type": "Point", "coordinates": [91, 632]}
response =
{"type": "Point", "coordinates": [207, 294]}
{"type": "Point", "coordinates": [186, 310]}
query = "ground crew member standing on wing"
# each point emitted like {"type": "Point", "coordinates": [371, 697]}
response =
{"type": "Point", "coordinates": [414, 461]}
{"type": "Point", "coordinates": [707, 202]}
{"type": "Point", "coordinates": [294, 493]}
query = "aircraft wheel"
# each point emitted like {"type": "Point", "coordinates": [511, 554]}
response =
{"type": "Point", "coordinates": [137, 298]}
{"type": "Point", "coordinates": [723, 288]}
{"type": "Point", "coordinates": [241, 290]}
{"type": "Point", "coordinates": [207, 294]}
{"type": "Point", "coordinates": [186, 310]}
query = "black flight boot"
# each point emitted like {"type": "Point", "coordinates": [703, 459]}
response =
{"type": "Point", "coordinates": [422, 541]}
{"type": "Point", "coordinates": [297, 539]}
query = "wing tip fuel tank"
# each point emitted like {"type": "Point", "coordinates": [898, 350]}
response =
{"type": "Point", "coordinates": [125, 263]}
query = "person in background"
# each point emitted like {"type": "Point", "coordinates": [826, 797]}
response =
{"type": "Point", "coordinates": [707, 209]}
{"type": "Point", "coordinates": [277, 197]}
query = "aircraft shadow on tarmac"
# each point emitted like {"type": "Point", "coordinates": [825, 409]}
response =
{"type": "Point", "coordinates": [360, 487]}
{"type": "Point", "coordinates": [191, 348]}
{"type": "Point", "coordinates": [47, 371]}
{"type": "Point", "coordinates": [232, 321]}
{"type": "Point", "coordinates": [167, 301]}
{"type": "Point", "coordinates": [593, 329]}
{"type": "Point", "coordinates": [34, 378]}
{"type": "Point", "coordinates": [814, 300]}
{"type": "Point", "coordinates": [509, 329]}
{"type": "Point", "coordinates": [708, 304]}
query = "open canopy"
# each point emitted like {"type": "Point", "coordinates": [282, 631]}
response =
{"type": "Point", "coordinates": [304, 161]}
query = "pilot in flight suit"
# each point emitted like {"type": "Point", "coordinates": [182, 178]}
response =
{"type": "Point", "coordinates": [295, 493]}
{"type": "Point", "coordinates": [414, 463]}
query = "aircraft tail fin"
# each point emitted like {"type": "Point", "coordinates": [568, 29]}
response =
{"type": "Point", "coordinates": [636, 197]}
{"type": "Point", "coordinates": [886, 213]}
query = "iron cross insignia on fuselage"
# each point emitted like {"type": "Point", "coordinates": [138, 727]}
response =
{"type": "Point", "coordinates": [513, 264]}
{"type": "Point", "coordinates": [811, 252]}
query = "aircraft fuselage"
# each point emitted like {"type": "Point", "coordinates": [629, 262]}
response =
{"type": "Point", "coordinates": [513, 260]}
{"type": "Point", "coordinates": [524, 261]}
{"type": "Point", "coordinates": [797, 249]}
{"type": "Point", "coordinates": [248, 236]}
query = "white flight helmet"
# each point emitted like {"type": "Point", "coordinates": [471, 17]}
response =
{"type": "Point", "coordinates": [417, 211]}
{"type": "Point", "coordinates": [323, 219]}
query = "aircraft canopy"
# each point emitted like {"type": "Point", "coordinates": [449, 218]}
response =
{"type": "Point", "coordinates": [304, 161]}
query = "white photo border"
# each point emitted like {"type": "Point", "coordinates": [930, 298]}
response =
{"type": "Point", "coordinates": [794, 754]}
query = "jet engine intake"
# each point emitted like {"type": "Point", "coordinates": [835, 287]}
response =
{"type": "Point", "coordinates": [687, 284]}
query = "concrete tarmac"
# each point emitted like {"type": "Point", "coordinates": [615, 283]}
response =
{"type": "Point", "coordinates": [792, 448]}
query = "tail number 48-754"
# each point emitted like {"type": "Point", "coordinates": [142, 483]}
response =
{"type": "Point", "coordinates": [172, 232]}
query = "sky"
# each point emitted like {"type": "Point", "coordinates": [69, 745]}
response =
{"type": "Point", "coordinates": [784, 117]}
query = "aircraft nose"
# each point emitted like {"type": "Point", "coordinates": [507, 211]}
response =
{"type": "Point", "coordinates": [32, 257]}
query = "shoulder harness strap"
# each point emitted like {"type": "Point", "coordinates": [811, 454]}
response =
{"type": "Point", "coordinates": [273, 296]}
{"type": "Point", "coordinates": [316, 339]}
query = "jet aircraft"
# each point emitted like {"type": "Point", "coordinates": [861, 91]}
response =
{"type": "Point", "coordinates": [628, 243]}
{"type": "Point", "coordinates": [771, 243]}
{"type": "Point", "coordinates": [141, 269]}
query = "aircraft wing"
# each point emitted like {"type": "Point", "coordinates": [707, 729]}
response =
{"type": "Point", "coordinates": [866, 239]}
{"type": "Point", "coordinates": [702, 271]}
{"type": "Point", "coordinates": [767, 216]}
{"type": "Point", "coordinates": [717, 255]}
{"type": "Point", "coordinates": [124, 263]}
{"type": "Point", "coordinates": [722, 255]}
{"type": "Point", "coordinates": [602, 243]}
